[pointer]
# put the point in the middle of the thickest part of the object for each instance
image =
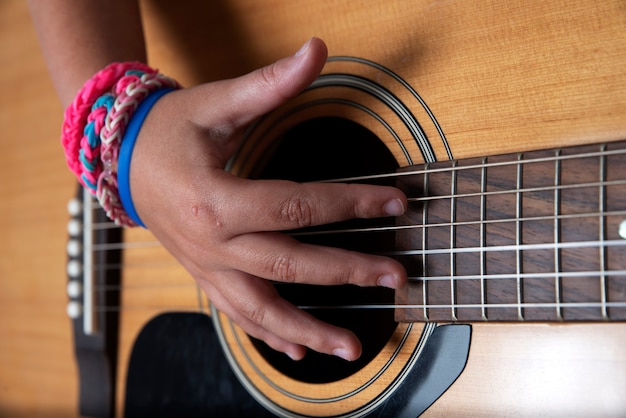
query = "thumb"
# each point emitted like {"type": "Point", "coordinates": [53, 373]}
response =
{"type": "Point", "coordinates": [248, 97]}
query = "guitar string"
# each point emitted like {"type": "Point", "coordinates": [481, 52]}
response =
{"type": "Point", "coordinates": [478, 250]}
{"type": "Point", "coordinates": [488, 164]}
{"type": "Point", "coordinates": [383, 306]}
{"type": "Point", "coordinates": [389, 228]}
{"type": "Point", "coordinates": [485, 164]}
{"type": "Point", "coordinates": [560, 187]}
{"type": "Point", "coordinates": [115, 246]}
{"type": "Point", "coordinates": [464, 223]}
{"type": "Point", "coordinates": [110, 225]}
{"type": "Point", "coordinates": [582, 275]}
{"type": "Point", "coordinates": [566, 277]}
{"type": "Point", "coordinates": [393, 228]}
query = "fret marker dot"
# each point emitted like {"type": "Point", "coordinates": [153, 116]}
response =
{"type": "Point", "coordinates": [622, 229]}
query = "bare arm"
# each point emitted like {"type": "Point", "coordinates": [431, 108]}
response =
{"type": "Point", "coordinates": [79, 38]}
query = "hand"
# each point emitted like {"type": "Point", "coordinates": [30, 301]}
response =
{"type": "Point", "coordinates": [223, 229]}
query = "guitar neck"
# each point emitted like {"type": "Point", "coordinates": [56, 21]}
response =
{"type": "Point", "coordinates": [537, 236]}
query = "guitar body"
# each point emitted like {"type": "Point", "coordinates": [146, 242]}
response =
{"type": "Point", "coordinates": [431, 81]}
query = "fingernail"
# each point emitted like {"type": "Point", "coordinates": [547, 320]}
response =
{"type": "Point", "coordinates": [342, 353]}
{"type": "Point", "coordinates": [394, 207]}
{"type": "Point", "coordinates": [388, 280]}
{"type": "Point", "coordinates": [303, 48]}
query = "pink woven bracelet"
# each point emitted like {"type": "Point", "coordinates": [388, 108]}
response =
{"type": "Point", "coordinates": [129, 94]}
{"type": "Point", "coordinates": [94, 126]}
{"type": "Point", "coordinates": [77, 113]}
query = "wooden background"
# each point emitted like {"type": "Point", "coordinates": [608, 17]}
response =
{"type": "Point", "coordinates": [198, 41]}
{"type": "Point", "coordinates": [37, 373]}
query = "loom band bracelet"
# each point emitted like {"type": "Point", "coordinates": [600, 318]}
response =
{"type": "Point", "coordinates": [126, 151]}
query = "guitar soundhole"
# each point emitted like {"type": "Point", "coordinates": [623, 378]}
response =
{"type": "Point", "coordinates": [321, 149]}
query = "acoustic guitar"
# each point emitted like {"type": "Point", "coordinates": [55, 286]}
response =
{"type": "Point", "coordinates": [502, 122]}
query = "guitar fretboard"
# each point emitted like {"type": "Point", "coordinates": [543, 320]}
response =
{"type": "Point", "coordinates": [522, 237]}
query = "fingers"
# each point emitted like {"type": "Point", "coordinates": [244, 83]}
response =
{"type": "Point", "coordinates": [258, 208]}
{"type": "Point", "coordinates": [293, 350]}
{"type": "Point", "coordinates": [278, 257]}
{"type": "Point", "coordinates": [246, 98]}
{"type": "Point", "coordinates": [275, 83]}
{"type": "Point", "coordinates": [256, 307]}
{"type": "Point", "coordinates": [273, 205]}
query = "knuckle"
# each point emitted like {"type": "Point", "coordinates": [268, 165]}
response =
{"type": "Point", "coordinates": [348, 276]}
{"type": "Point", "coordinates": [255, 313]}
{"type": "Point", "coordinates": [284, 268]}
{"type": "Point", "coordinates": [354, 270]}
{"type": "Point", "coordinates": [210, 216]}
{"type": "Point", "coordinates": [269, 75]}
{"type": "Point", "coordinates": [298, 211]}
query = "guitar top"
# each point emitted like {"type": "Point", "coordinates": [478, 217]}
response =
{"type": "Point", "coordinates": [433, 81]}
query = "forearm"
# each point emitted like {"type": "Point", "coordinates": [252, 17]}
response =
{"type": "Point", "coordinates": [79, 38]}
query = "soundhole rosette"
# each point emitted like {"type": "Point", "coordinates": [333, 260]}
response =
{"type": "Point", "coordinates": [353, 121]}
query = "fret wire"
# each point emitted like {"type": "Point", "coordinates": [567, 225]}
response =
{"type": "Point", "coordinates": [475, 166]}
{"type": "Point", "coordinates": [620, 182]}
{"type": "Point", "coordinates": [425, 246]}
{"type": "Point", "coordinates": [602, 232]}
{"type": "Point", "coordinates": [510, 276]}
{"type": "Point", "coordinates": [483, 239]}
{"type": "Point", "coordinates": [557, 237]}
{"type": "Point", "coordinates": [544, 246]}
{"type": "Point", "coordinates": [518, 237]}
{"type": "Point", "coordinates": [453, 189]}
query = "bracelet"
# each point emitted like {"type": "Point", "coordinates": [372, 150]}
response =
{"type": "Point", "coordinates": [89, 148]}
{"type": "Point", "coordinates": [94, 128]}
{"type": "Point", "coordinates": [128, 98]}
{"type": "Point", "coordinates": [77, 113]}
{"type": "Point", "coordinates": [126, 151]}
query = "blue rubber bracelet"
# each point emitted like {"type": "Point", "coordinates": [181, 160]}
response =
{"type": "Point", "coordinates": [126, 152]}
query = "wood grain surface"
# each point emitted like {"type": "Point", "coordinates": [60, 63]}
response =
{"type": "Point", "coordinates": [504, 76]}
